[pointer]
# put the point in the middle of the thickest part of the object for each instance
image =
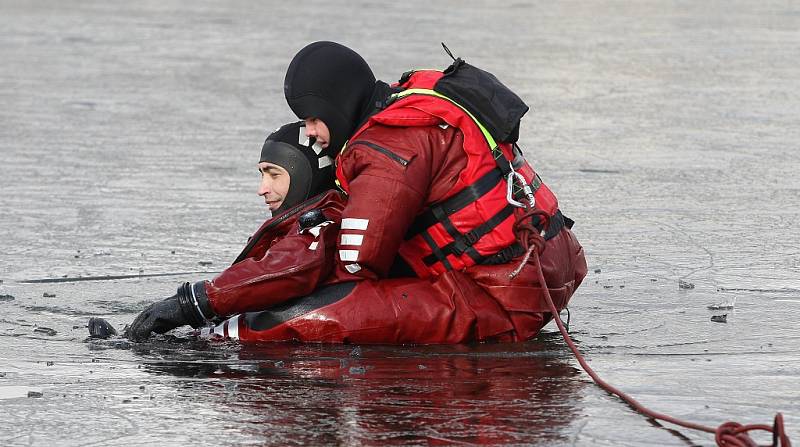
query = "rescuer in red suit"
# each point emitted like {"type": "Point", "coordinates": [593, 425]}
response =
{"type": "Point", "coordinates": [406, 164]}
{"type": "Point", "coordinates": [426, 251]}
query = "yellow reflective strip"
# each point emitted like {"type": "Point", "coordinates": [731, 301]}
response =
{"type": "Point", "coordinates": [339, 185]}
{"type": "Point", "coordinates": [423, 91]}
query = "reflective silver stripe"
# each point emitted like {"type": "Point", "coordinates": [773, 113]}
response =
{"type": "Point", "coordinates": [315, 230]}
{"type": "Point", "coordinates": [220, 329]}
{"type": "Point", "coordinates": [313, 245]}
{"type": "Point", "coordinates": [303, 139]}
{"type": "Point", "coordinates": [352, 239]}
{"type": "Point", "coordinates": [325, 161]}
{"type": "Point", "coordinates": [348, 255]}
{"type": "Point", "coordinates": [350, 223]}
{"type": "Point", "coordinates": [352, 268]}
{"type": "Point", "coordinates": [233, 327]}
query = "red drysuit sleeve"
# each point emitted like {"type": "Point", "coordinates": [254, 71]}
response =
{"type": "Point", "coordinates": [292, 267]}
{"type": "Point", "coordinates": [388, 174]}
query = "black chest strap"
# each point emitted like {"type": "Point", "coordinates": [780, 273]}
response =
{"type": "Point", "coordinates": [464, 244]}
{"type": "Point", "coordinates": [440, 211]}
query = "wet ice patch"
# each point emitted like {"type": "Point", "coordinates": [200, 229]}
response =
{"type": "Point", "coordinates": [46, 331]}
{"type": "Point", "coordinates": [599, 171]}
{"type": "Point", "coordinates": [720, 307]}
{"type": "Point", "coordinates": [15, 392]}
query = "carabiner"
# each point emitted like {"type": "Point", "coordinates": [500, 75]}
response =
{"type": "Point", "coordinates": [526, 189]}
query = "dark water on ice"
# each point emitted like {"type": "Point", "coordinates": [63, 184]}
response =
{"type": "Point", "coordinates": [128, 136]}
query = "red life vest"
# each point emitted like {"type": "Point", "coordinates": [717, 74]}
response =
{"type": "Point", "coordinates": [474, 223]}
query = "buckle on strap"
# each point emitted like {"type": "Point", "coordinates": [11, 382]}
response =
{"type": "Point", "coordinates": [463, 242]}
{"type": "Point", "coordinates": [503, 256]}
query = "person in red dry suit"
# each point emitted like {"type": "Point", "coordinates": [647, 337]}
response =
{"type": "Point", "coordinates": [285, 258]}
{"type": "Point", "coordinates": [425, 251]}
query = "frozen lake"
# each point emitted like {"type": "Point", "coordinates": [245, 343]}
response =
{"type": "Point", "coordinates": [129, 134]}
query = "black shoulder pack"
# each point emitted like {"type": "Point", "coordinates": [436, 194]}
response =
{"type": "Point", "coordinates": [494, 105]}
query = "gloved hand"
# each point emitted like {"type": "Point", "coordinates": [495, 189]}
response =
{"type": "Point", "coordinates": [162, 316]}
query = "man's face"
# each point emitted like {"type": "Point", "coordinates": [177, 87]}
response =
{"type": "Point", "coordinates": [274, 184]}
{"type": "Point", "coordinates": [317, 129]}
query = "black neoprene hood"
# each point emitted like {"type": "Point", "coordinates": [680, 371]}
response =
{"type": "Point", "coordinates": [329, 81]}
{"type": "Point", "coordinates": [309, 166]}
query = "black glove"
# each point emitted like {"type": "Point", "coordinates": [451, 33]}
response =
{"type": "Point", "coordinates": [178, 310]}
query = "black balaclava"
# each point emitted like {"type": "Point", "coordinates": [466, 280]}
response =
{"type": "Point", "coordinates": [329, 81]}
{"type": "Point", "coordinates": [309, 166]}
